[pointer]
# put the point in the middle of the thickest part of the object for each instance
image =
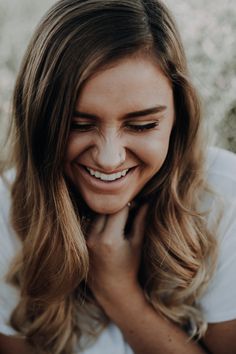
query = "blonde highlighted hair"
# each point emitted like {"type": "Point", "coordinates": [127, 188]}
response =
{"type": "Point", "coordinates": [74, 40]}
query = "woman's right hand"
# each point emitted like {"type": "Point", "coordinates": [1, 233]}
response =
{"type": "Point", "coordinates": [114, 256]}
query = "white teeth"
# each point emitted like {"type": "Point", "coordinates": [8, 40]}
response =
{"type": "Point", "coordinates": [106, 177]}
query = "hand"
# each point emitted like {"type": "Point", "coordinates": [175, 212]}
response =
{"type": "Point", "coordinates": [114, 258]}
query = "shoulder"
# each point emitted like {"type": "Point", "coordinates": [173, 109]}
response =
{"type": "Point", "coordinates": [10, 245]}
{"type": "Point", "coordinates": [6, 180]}
{"type": "Point", "coordinates": [7, 236]}
{"type": "Point", "coordinates": [218, 157]}
{"type": "Point", "coordinates": [221, 171]}
{"type": "Point", "coordinates": [218, 199]}
{"type": "Point", "coordinates": [220, 202]}
{"type": "Point", "coordinates": [218, 304]}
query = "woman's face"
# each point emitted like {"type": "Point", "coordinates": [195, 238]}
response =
{"type": "Point", "coordinates": [119, 133]}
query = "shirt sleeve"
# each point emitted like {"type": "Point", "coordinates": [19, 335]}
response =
{"type": "Point", "coordinates": [110, 340]}
{"type": "Point", "coordinates": [219, 301]}
{"type": "Point", "coordinates": [9, 245]}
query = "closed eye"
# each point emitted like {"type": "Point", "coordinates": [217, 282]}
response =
{"type": "Point", "coordinates": [82, 127]}
{"type": "Point", "coordinates": [142, 127]}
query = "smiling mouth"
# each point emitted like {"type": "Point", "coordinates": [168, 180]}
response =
{"type": "Point", "coordinates": [109, 178]}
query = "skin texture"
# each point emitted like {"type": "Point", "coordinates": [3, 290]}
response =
{"type": "Point", "coordinates": [10, 345]}
{"type": "Point", "coordinates": [113, 280]}
{"type": "Point", "coordinates": [110, 143]}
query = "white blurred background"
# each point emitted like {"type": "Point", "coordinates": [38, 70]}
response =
{"type": "Point", "coordinates": [208, 29]}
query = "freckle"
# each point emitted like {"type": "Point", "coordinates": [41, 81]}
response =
{"type": "Point", "coordinates": [169, 339]}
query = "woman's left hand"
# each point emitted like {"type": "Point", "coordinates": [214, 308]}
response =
{"type": "Point", "coordinates": [115, 258]}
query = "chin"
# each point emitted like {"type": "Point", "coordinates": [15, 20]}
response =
{"type": "Point", "coordinates": [106, 208]}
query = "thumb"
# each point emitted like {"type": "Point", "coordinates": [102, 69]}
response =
{"type": "Point", "coordinates": [138, 228]}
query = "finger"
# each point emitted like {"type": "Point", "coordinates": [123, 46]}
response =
{"type": "Point", "coordinates": [138, 227]}
{"type": "Point", "coordinates": [115, 224]}
{"type": "Point", "coordinates": [96, 227]}
{"type": "Point", "coordinates": [129, 223]}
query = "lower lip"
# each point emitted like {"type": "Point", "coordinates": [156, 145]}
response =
{"type": "Point", "coordinates": [106, 186]}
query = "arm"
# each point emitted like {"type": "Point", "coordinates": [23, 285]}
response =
{"type": "Point", "coordinates": [10, 344]}
{"type": "Point", "coordinates": [114, 263]}
{"type": "Point", "coordinates": [146, 331]}
{"type": "Point", "coordinates": [220, 337]}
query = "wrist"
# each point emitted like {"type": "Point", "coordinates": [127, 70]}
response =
{"type": "Point", "coordinates": [122, 301]}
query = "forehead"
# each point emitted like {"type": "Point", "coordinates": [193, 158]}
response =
{"type": "Point", "coordinates": [134, 82]}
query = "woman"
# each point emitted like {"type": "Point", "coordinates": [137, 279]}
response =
{"type": "Point", "coordinates": [120, 243]}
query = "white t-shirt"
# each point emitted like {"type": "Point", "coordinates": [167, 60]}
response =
{"type": "Point", "coordinates": [219, 301]}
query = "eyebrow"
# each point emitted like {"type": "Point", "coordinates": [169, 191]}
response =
{"type": "Point", "coordinates": [135, 114]}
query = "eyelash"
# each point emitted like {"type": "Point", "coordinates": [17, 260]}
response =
{"type": "Point", "coordinates": [141, 128]}
{"type": "Point", "coordinates": [134, 127]}
{"type": "Point", "coordinates": [81, 127]}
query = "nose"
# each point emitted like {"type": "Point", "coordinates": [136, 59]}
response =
{"type": "Point", "coordinates": [109, 152]}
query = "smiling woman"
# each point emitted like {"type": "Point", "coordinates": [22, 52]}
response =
{"type": "Point", "coordinates": [120, 133]}
{"type": "Point", "coordinates": [113, 239]}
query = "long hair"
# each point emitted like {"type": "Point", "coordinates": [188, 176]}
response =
{"type": "Point", "coordinates": [74, 40]}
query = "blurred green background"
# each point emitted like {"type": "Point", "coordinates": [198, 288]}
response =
{"type": "Point", "coordinates": [208, 29]}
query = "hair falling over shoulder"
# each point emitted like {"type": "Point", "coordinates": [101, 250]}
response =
{"type": "Point", "coordinates": [74, 40]}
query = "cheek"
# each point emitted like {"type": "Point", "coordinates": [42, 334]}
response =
{"type": "Point", "coordinates": [75, 146]}
{"type": "Point", "coordinates": [152, 150]}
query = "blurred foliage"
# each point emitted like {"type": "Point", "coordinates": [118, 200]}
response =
{"type": "Point", "coordinates": [208, 29]}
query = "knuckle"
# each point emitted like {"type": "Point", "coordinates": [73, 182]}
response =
{"type": "Point", "coordinates": [90, 242]}
{"type": "Point", "coordinates": [107, 243]}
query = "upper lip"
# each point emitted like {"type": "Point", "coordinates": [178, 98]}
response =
{"type": "Point", "coordinates": [108, 172]}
